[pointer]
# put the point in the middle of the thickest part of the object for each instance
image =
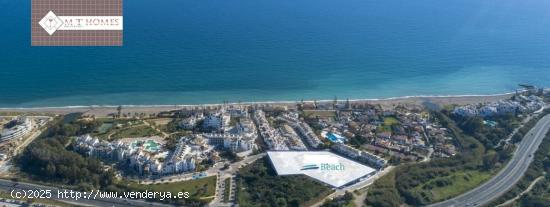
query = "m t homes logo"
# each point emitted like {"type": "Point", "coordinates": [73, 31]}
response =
{"type": "Point", "coordinates": [76, 23]}
{"type": "Point", "coordinates": [52, 23]}
{"type": "Point", "coordinates": [324, 167]}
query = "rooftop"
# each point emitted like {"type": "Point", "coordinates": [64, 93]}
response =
{"type": "Point", "coordinates": [324, 166]}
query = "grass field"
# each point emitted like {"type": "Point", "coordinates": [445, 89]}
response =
{"type": "Point", "coordinates": [388, 121]}
{"type": "Point", "coordinates": [104, 128]}
{"type": "Point", "coordinates": [447, 187]}
{"type": "Point", "coordinates": [259, 184]}
{"type": "Point", "coordinates": [384, 128]}
{"type": "Point", "coordinates": [116, 126]}
{"type": "Point", "coordinates": [136, 131]}
{"type": "Point", "coordinates": [320, 113]}
{"type": "Point", "coordinates": [204, 188]}
{"type": "Point", "coordinates": [160, 121]}
{"type": "Point", "coordinates": [227, 190]}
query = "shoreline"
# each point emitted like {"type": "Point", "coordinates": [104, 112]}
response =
{"type": "Point", "coordinates": [103, 110]}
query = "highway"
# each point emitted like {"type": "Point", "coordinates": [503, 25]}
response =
{"type": "Point", "coordinates": [8, 186]}
{"type": "Point", "coordinates": [509, 175]}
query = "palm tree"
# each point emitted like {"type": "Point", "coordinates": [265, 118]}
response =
{"type": "Point", "coordinates": [119, 109]}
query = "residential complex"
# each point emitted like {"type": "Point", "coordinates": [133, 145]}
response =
{"type": "Point", "coordinates": [519, 104]}
{"type": "Point", "coordinates": [144, 156]}
{"type": "Point", "coordinates": [148, 156]}
{"type": "Point", "coordinates": [289, 136]}
{"type": "Point", "coordinates": [362, 156]}
{"type": "Point", "coordinates": [16, 129]}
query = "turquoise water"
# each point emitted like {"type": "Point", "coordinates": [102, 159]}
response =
{"type": "Point", "coordinates": [335, 138]}
{"type": "Point", "coordinates": [188, 52]}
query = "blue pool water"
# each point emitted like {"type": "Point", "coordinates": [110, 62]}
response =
{"type": "Point", "coordinates": [188, 52]}
{"type": "Point", "coordinates": [335, 138]}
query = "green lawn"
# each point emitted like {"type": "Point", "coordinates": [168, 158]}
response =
{"type": "Point", "coordinates": [384, 128]}
{"type": "Point", "coordinates": [204, 188]}
{"type": "Point", "coordinates": [122, 128]}
{"type": "Point", "coordinates": [137, 131]}
{"type": "Point", "coordinates": [227, 190]}
{"type": "Point", "coordinates": [388, 121]}
{"type": "Point", "coordinates": [449, 186]}
{"type": "Point", "coordinates": [104, 128]}
{"type": "Point", "coordinates": [320, 113]}
{"type": "Point", "coordinates": [258, 184]}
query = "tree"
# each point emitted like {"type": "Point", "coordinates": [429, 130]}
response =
{"type": "Point", "coordinates": [281, 202]}
{"type": "Point", "coordinates": [119, 110]}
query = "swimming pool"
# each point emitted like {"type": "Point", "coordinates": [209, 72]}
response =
{"type": "Point", "coordinates": [149, 145]}
{"type": "Point", "coordinates": [152, 146]}
{"type": "Point", "coordinates": [335, 138]}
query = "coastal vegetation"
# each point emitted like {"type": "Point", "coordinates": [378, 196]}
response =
{"type": "Point", "coordinates": [171, 125]}
{"type": "Point", "coordinates": [48, 159]}
{"type": "Point", "coordinates": [489, 135]}
{"type": "Point", "coordinates": [482, 154]}
{"type": "Point", "coordinates": [540, 167]}
{"type": "Point", "coordinates": [383, 192]}
{"type": "Point", "coordinates": [104, 128]}
{"type": "Point", "coordinates": [227, 190]}
{"type": "Point", "coordinates": [202, 190]}
{"type": "Point", "coordinates": [319, 113]}
{"type": "Point", "coordinates": [111, 129]}
{"type": "Point", "coordinates": [342, 201]}
{"type": "Point", "coordinates": [527, 126]}
{"type": "Point", "coordinates": [443, 178]}
{"type": "Point", "coordinates": [425, 183]}
{"type": "Point", "coordinates": [259, 185]}
{"type": "Point", "coordinates": [135, 131]}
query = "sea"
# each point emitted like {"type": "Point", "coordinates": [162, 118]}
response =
{"type": "Point", "coordinates": [214, 51]}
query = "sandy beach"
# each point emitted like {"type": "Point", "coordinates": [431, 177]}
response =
{"type": "Point", "coordinates": [102, 111]}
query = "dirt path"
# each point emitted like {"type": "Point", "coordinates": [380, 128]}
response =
{"type": "Point", "coordinates": [522, 193]}
{"type": "Point", "coordinates": [359, 199]}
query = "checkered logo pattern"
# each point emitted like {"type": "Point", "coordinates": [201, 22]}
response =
{"type": "Point", "coordinates": [43, 34]}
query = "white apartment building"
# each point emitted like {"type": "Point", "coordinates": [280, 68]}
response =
{"type": "Point", "coordinates": [21, 127]}
{"type": "Point", "coordinates": [216, 121]}
{"type": "Point", "coordinates": [142, 161]}
{"type": "Point", "coordinates": [359, 155]}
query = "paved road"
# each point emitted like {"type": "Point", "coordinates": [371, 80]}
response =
{"type": "Point", "coordinates": [35, 134]}
{"type": "Point", "coordinates": [357, 186]}
{"type": "Point", "coordinates": [230, 173]}
{"type": "Point", "coordinates": [507, 203]}
{"type": "Point", "coordinates": [8, 186]}
{"type": "Point", "coordinates": [215, 170]}
{"type": "Point", "coordinates": [509, 175]}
